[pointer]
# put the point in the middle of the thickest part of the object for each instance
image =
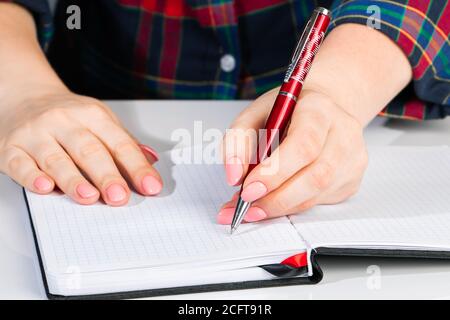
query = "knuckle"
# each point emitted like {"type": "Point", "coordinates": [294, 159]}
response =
{"type": "Point", "coordinates": [54, 159]}
{"type": "Point", "coordinates": [80, 134]}
{"type": "Point", "coordinates": [56, 113]}
{"type": "Point", "coordinates": [91, 148]}
{"type": "Point", "coordinates": [95, 109]}
{"type": "Point", "coordinates": [124, 148]}
{"type": "Point", "coordinates": [14, 163]}
{"type": "Point", "coordinates": [10, 160]}
{"type": "Point", "coordinates": [310, 146]}
{"type": "Point", "coordinates": [322, 175]}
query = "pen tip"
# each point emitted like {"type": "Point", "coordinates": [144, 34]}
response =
{"type": "Point", "coordinates": [232, 230]}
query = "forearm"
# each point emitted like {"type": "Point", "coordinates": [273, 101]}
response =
{"type": "Point", "coordinates": [24, 68]}
{"type": "Point", "coordinates": [360, 69]}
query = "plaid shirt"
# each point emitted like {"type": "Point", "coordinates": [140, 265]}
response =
{"type": "Point", "coordinates": [229, 49]}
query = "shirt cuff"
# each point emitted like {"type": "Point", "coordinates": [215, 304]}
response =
{"type": "Point", "coordinates": [417, 30]}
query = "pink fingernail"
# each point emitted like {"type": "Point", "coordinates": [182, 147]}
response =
{"type": "Point", "coordinates": [86, 191]}
{"type": "Point", "coordinates": [151, 185]}
{"type": "Point", "coordinates": [116, 193]}
{"type": "Point", "coordinates": [150, 151]}
{"type": "Point", "coordinates": [234, 170]}
{"type": "Point", "coordinates": [255, 214]}
{"type": "Point", "coordinates": [225, 216]}
{"type": "Point", "coordinates": [253, 191]}
{"type": "Point", "coordinates": [43, 184]}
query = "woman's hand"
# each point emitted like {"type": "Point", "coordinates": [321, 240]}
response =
{"type": "Point", "coordinates": [50, 136]}
{"type": "Point", "coordinates": [356, 73]}
{"type": "Point", "coordinates": [76, 143]}
{"type": "Point", "coordinates": [321, 160]}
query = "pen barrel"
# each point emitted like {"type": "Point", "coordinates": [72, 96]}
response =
{"type": "Point", "coordinates": [306, 51]}
{"type": "Point", "coordinates": [287, 97]}
{"type": "Point", "coordinates": [290, 90]}
{"type": "Point", "coordinates": [276, 124]}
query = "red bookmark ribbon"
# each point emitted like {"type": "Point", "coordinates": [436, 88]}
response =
{"type": "Point", "coordinates": [297, 261]}
{"type": "Point", "coordinates": [294, 266]}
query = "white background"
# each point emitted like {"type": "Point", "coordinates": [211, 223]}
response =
{"type": "Point", "coordinates": [153, 122]}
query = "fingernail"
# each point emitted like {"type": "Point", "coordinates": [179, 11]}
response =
{"type": "Point", "coordinates": [42, 184]}
{"type": "Point", "coordinates": [148, 150]}
{"type": "Point", "coordinates": [234, 170]}
{"type": "Point", "coordinates": [86, 191]}
{"type": "Point", "coordinates": [225, 216]}
{"type": "Point", "coordinates": [116, 193]}
{"type": "Point", "coordinates": [253, 191]}
{"type": "Point", "coordinates": [255, 214]}
{"type": "Point", "coordinates": [151, 185]}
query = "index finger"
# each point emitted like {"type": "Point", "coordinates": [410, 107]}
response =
{"type": "Point", "coordinates": [129, 158]}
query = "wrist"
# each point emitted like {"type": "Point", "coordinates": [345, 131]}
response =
{"type": "Point", "coordinates": [360, 69]}
{"type": "Point", "coordinates": [17, 96]}
{"type": "Point", "coordinates": [24, 70]}
{"type": "Point", "coordinates": [346, 88]}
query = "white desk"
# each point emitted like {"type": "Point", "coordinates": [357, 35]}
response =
{"type": "Point", "coordinates": [153, 123]}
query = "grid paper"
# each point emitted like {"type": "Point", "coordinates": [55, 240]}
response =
{"type": "Point", "coordinates": [404, 201]}
{"type": "Point", "coordinates": [177, 226]}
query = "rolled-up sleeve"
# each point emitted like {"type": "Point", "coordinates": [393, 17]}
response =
{"type": "Point", "coordinates": [421, 29]}
{"type": "Point", "coordinates": [42, 14]}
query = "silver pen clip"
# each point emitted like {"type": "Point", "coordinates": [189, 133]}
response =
{"type": "Point", "coordinates": [301, 45]}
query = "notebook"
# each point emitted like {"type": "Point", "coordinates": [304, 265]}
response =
{"type": "Point", "coordinates": [172, 244]}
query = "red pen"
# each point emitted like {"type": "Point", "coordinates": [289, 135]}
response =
{"type": "Point", "coordinates": [287, 97]}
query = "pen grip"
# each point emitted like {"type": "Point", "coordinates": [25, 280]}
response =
{"type": "Point", "coordinates": [276, 124]}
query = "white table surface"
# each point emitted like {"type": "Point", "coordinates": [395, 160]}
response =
{"type": "Point", "coordinates": [153, 122]}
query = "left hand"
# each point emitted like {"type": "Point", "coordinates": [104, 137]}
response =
{"type": "Point", "coordinates": [321, 160]}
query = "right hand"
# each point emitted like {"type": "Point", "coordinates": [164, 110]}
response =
{"type": "Point", "coordinates": [76, 143]}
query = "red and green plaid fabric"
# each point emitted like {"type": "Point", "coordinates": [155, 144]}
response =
{"type": "Point", "coordinates": [230, 49]}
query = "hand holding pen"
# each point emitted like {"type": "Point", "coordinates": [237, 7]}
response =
{"type": "Point", "coordinates": [323, 156]}
{"type": "Point", "coordinates": [286, 100]}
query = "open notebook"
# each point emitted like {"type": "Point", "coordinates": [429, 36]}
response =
{"type": "Point", "coordinates": [171, 243]}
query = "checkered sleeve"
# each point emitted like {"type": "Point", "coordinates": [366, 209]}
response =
{"type": "Point", "coordinates": [40, 10]}
{"type": "Point", "coordinates": [421, 29]}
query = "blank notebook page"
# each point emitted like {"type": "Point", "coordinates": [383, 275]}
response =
{"type": "Point", "coordinates": [404, 201]}
{"type": "Point", "coordinates": [177, 226]}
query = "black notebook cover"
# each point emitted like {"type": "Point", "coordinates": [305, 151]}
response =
{"type": "Point", "coordinates": [315, 278]}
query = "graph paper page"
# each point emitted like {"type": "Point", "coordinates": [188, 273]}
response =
{"type": "Point", "coordinates": [404, 201]}
{"type": "Point", "coordinates": [179, 226]}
